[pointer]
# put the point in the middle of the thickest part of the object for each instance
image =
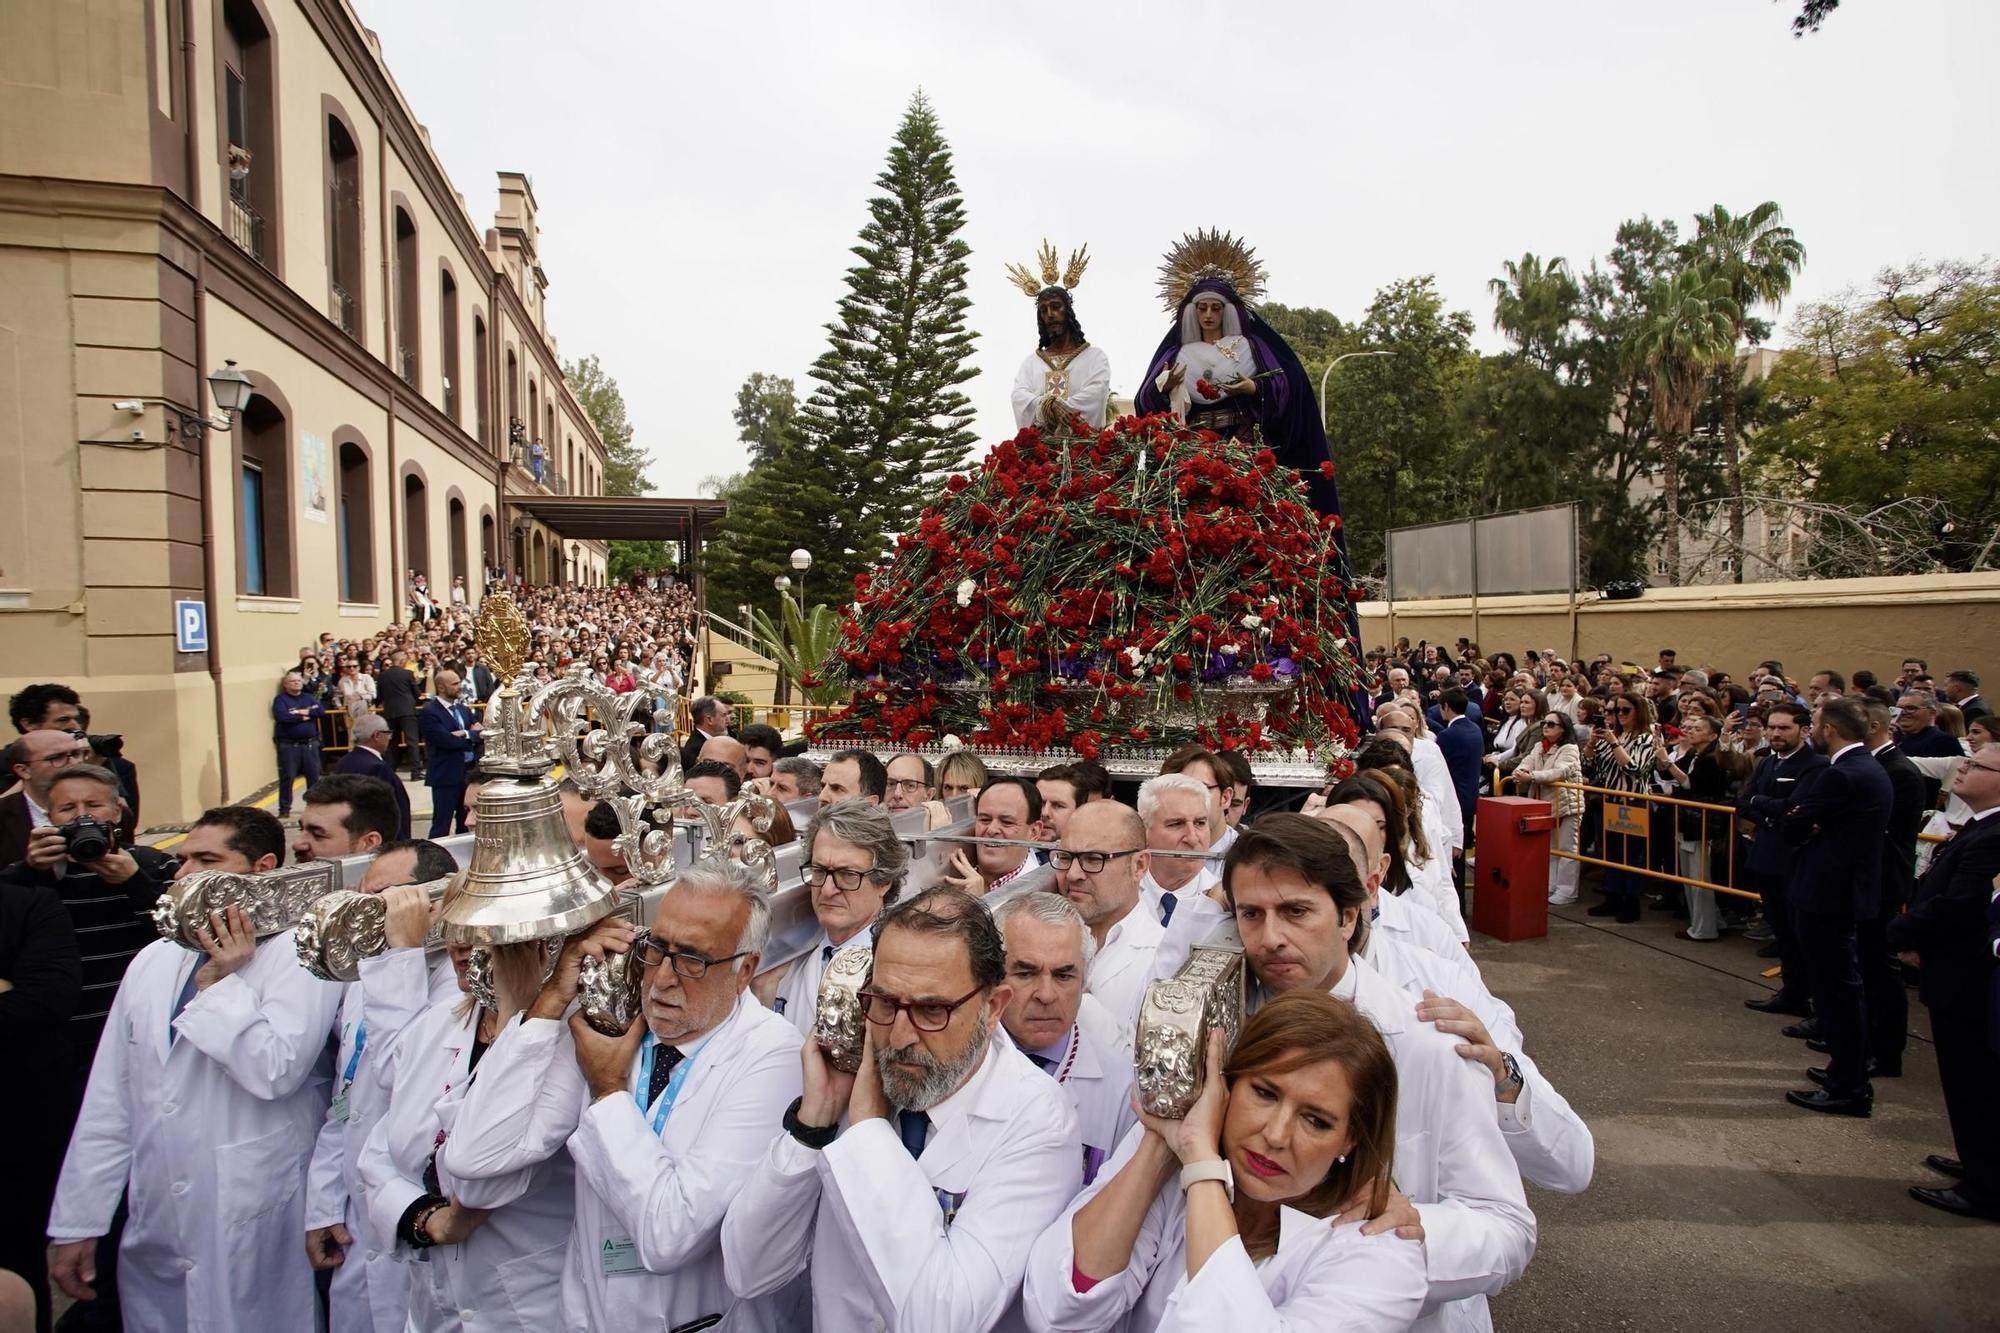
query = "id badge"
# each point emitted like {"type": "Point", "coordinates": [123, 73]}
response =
{"type": "Point", "coordinates": [617, 1256]}
{"type": "Point", "coordinates": [340, 1106]}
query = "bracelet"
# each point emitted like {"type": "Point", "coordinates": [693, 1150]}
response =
{"type": "Point", "coordinates": [1216, 1169]}
{"type": "Point", "coordinates": [417, 1216]}
{"type": "Point", "coordinates": [811, 1136]}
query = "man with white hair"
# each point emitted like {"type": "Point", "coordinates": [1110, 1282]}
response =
{"type": "Point", "coordinates": [853, 866]}
{"type": "Point", "coordinates": [366, 759]}
{"type": "Point", "coordinates": [1176, 810]}
{"type": "Point", "coordinates": [664, 1124]}
{"type": "Point", "coordinates": [1063, 1030]}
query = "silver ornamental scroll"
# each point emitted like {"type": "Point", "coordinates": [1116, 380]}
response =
{"type": "Point", "coordinates": [1175, 1020]}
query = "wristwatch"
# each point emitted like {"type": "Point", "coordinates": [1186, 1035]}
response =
{"type": "Point", "coordinates": [1213, 1169]}
{"type": "Point", "coordinates": [811, 1136]}
{"type": "Point", "coordinates": [1513, 1082]}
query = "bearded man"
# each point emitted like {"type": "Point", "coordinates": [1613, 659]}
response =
{"type": "Point", "coordinates": [1065, 375]}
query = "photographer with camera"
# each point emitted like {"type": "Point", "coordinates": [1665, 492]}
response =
{"type": "Point", "coordinates": [33, 760]}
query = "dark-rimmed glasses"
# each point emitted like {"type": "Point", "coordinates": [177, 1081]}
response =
{"type": "Point", "coordinates": [691, 966]}
{"type": "Point", "coordinates": [925, 1015]}
{"type": "Point", "coordinates": [847, 881]}
{"type": "Point", "coordinates": [1092, 862]}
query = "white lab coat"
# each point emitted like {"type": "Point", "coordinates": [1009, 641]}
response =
{"type": "Point", "coordinates": [1326, 1278]}
{"type": "Point", "coordinates": [869, 1222]}
{"type": "Point", "coordinates": [1097, 1072]}
{"type": "Point", "coordinates": [212, 1131]}
{"type": "Point", "coordinates": [1441, 811]}
{"type": "Point", "coordinates": [797, 997]}
{"type": "Point", "coordinates": [508, 1273]}
{"type": "Point", "coordinates": [1431, 886]}
{"type": "Point", "coordinates": [1122, 967]}
{"type": "Point", "coordinates": [1415, 923]}
{"type": "Point", "coordinates": [370, 1292]}
{"type": "Point", "coordinates": [665, 1194]}
{"type": "Point", "coordinates": [1450, 1159]}
{"type": "Point", "coordinates": [1550, 1143]}
{"type": "Point", "coordinates": [1151, 891]}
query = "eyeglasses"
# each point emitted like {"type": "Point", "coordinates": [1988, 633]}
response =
{"type": "Point", "coordinates": [1618, 712]}
{"type": "Point", "coordinates": [1985, 767]}
{"type": "Point", "coordinates": [847, 881]}
{"type": "Point", "coordinates": [907, 784]}
{"type": "Point", "coordinates": [1547, 725]}
{"type": "Point", "coordinates": [1092, 862]}
{"type": "Point", "coordinates": [925, 1015]}
{"type": "Point", "coordinates": [61, 757]}
{"type": "Point", "coordinates": [692, 966]}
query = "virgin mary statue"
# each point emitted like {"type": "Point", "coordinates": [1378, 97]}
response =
{"type": "Point", "coordinates": [1222, 368]}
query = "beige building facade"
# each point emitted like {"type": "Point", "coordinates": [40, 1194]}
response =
{"type": "Point", "coordinates": [189, 183]}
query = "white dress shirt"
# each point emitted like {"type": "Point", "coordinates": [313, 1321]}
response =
{"type": "Point", "coordinates": [1322, 1277]}
{"type": "Point", "coordinates": [937, 1241]}
{"type": "Point", "coordinates": [205, 1123]}
{"type": "Point", "coordinates": [797, 997]}
{"type": "Point", "coordinates": [648, 1207]}
{"type": "Point", "coordinates": [1151, 892]}
{"type": "Point", "coordinates": [1122, 968]}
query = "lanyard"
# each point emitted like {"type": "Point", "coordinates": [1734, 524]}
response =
{"type": "Point", "coordinates": [664, 1107]}
{"type": "Point", "coordinates": [354, 1061]}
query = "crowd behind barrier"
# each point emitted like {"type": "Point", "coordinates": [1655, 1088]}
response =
{"type": "Point", "coordinates": [719, 1163]}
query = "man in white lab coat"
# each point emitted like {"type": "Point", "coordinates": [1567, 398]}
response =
{"type": "Point", "coordinates": [1100, 867]}
{"type": "Point", "coordinates": [369, 1291]}
{"type": "Point", "coordinates": [203, 1102]}
{"type": "Point", "coordinates": [955, 1153]}
{"type": "Point", "coordinates": [664, 1124]}
{"type": "Point", "coordinates": [1063, 1031]}
{"type": "Point", "coordinates": [854, 866]}
{"type": "Point", "coordinates": [1175, 809]}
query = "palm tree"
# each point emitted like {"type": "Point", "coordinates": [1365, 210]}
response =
{"type": "Point", "coordinates": [1756, 254]}
{"type": "Point", "coordinates": [1533, 303]}
{"type": "Point", "coordinates": [1689, 323]}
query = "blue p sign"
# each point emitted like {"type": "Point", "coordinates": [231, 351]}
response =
{"type": "Point", "coordinates": [191, 627]}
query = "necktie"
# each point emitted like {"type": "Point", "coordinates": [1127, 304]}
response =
{"type": "Point", "coordinates": [912, 1126]}
{"type": "Point", "coordinates": [1042, 1062]}
{"type": "Point", "coordinates": [1167, 905]}
{"type": "Point", "coordinates": [826, 954]}
{"type": "Point", "coordinates": [665, 1057]}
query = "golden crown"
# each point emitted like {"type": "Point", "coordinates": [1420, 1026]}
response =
{"type": "Point", "coordinates": [1210, 254]}
{"type": "Point", "coordinates": [1052, 276]}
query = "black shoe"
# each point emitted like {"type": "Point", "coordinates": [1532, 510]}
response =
{"type": "Point", "coordinates": [1605, 908]}
{"type": "Point", "coordinates": [1779, 1004]}
{"type": "Point", "coordinates": [1946, 1166]}
{"type": "Point", "coordinates": [1768, 951]}
{"type": "Point", "coordinates": [1819, 1046]}
{"type": "Point", "coordinates": [1951, 1201]}
{"type": "Point", "coordinates": [1803, 1030]}
{"type": "Point", "coordinates": [1884, 1068]}
{"type": "Point", "coordinates": [1860, 1107]}
{"type": "Point", "coordinates": [1875, 1070]}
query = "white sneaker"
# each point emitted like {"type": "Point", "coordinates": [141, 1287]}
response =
{"type": "Point", "coordinates": [1562, 902]}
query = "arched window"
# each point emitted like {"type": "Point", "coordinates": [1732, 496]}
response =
{"type": "Point", "coordinates": [513, 394]}
{"type": "Point", "coordinates": [448, 342]}
{"type": "Point", "coordinates": [246, 84]}
{"type": "Point", "coordinates": [343, 222]}
{"type": "Point", "coordinates": [408, 338]}
{"type": "Point", "coordinates": [486, 552]}
{"type": "Point", "coordinates": [417, 526]}
{"type": "Point", "coordinates": [481, 390]}
{"type": "Point", "coordinates": [455, 521]}
{"type": "Point", "coordinates": [265, 538]}
{"type": "Point", "coordinates": [356, 535]}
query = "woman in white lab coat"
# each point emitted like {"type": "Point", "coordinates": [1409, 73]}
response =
{"type": "Point", "coordinates": [1222, 1219]}
{"type": "Point", "coordinates": [495, 1266]}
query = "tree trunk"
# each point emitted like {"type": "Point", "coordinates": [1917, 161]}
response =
{"type": "Point", "coordinates": [1732, 465]}
{"type": "Point", "coordinates": [1670, 494]}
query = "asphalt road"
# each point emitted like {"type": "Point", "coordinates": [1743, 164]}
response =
{"type": "Point", "coordinates": [1716, 1206]}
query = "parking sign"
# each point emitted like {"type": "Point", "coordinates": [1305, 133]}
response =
{"type": "Point", "coordinates": [191, 627]}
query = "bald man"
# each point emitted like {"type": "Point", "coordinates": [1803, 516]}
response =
{"type": "Point", "coordinates": [1099, 868]}
{"type": "Point", "coordinates": [729, 751]}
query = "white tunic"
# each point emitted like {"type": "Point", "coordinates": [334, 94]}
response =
{"type": "Point", "coordinates": [1122, 968]}
{"type": "Point", "coordinates": [208, 1136]}
{"type": "Point", "coordinates": [648, 1207]}
{"type": "Point", "coordinates": [1096, 1070]}
{"type": "Point", "coordinates": [933, 1242]}
{"type": "Point", "coordinates": [506, 1275]}
{"type": "Point", "coordinates": [1219, 363]}
{"type": "Point", "coordinates": [1441, 812]}
{"type": "Point", "coordinates": [1326, 1278]}
{"type": "Point", "coordinates": [1413, 919]}
{"type": "Point", "coordinates": [1083, 385]}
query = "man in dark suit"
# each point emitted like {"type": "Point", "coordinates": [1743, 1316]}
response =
{"type": "Point", "coordinates": [1949, 934]}
{"type": "Point", "coordinates": [1765, 799]}
{"type": "Point", "coordinates": [1881, 975]}
{"type": "Point", "coordinates": [452, 740]}
{"type": "Point", "coordinates": [1838, 821]}
{"type": "Point", "coordinates": [480, 682]}
{"type": "Point", "coordinates": [1464, 745]}
{"type": "Point", "coordinates": [396, 695]}
{"type": "Point", "coordinates": [371, 738]}
{"type": "Point", "coordinates": [711, 717]}
{"type": "Point", "coordinates": [1962, 688]}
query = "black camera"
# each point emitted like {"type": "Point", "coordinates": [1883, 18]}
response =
{"type": "Point", "coordinates": [111, 747]}
{"type": "Point", "coordinates": [87, 839]}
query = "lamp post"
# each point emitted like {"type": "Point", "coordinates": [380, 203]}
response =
{"type": "Point", "coordinates": [1327, 416]}
{"type": "Point", "coordinates": [783, 584]}
{"type": "Point", "coordinates": [229, 387]}
{"type": "Point", "coordinates": [802, 560]}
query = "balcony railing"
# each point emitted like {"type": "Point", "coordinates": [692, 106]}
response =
{"type": "Point", "coordinates": [342, 304]}
{"type": "Point", "coordinates": [246, 227]}
{"type": "Point", "coordinates": [406, 365]}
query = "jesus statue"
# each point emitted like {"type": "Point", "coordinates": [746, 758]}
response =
{"type": "Point", "coordinates": [1065, 376]}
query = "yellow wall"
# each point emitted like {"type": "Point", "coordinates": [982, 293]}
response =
{"type": "Point", "coordinates": [1949, 620]}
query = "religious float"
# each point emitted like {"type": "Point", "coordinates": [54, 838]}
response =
{"type": "Point", "coordinates": [1113, 592]}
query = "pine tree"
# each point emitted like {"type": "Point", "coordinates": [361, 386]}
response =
{"type": "Point", "coordinates": [887, 418]}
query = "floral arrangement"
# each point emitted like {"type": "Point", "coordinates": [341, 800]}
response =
{"type": "Point", "coordinates": [1107, 591]}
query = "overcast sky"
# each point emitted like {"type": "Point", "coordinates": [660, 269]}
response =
{"type": "Point", "coordinates": [702, 170]}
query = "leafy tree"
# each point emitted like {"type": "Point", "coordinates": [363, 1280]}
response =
{"type": "Point", "coordinates": [766, 408]}
{"type": "Point", "coordinates": [791, 501]}
{"type": "Point", "coordinates": [1811, 14]}
{"type": "Point", "coordinates": [887, 418]}
{"type": "Point", "coordinates": [1535, 304]}
{"type": "Point", "coordinates": [1894, 392]}
{"type": "Point", "coordinates": [626, 463]}
{"type": "Point", "coordinates": [630, 556]}
{"type": "Point", "coordinates": [1690, 322]}
{"type": "Point", "coordinates": [1756, 255]}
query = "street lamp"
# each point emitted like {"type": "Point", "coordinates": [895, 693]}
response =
{"type": "Point", "coordinates": [229, 387]}
{"type": "Point", "coordinates": [783, 583]}
{"type": "Point", "coordinates": [1326, 414]}
{"type": "Point", "coordinates": [802, 560]}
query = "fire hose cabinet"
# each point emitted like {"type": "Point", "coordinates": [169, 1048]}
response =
{"type": "Point", "coordinates": [1510, 886]}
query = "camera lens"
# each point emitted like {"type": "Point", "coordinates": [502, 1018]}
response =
{"type": "Point", "coordinates": [86, 840]}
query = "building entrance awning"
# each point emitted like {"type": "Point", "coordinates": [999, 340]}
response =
{"type": "Point", "coordinates": [624, 517]}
